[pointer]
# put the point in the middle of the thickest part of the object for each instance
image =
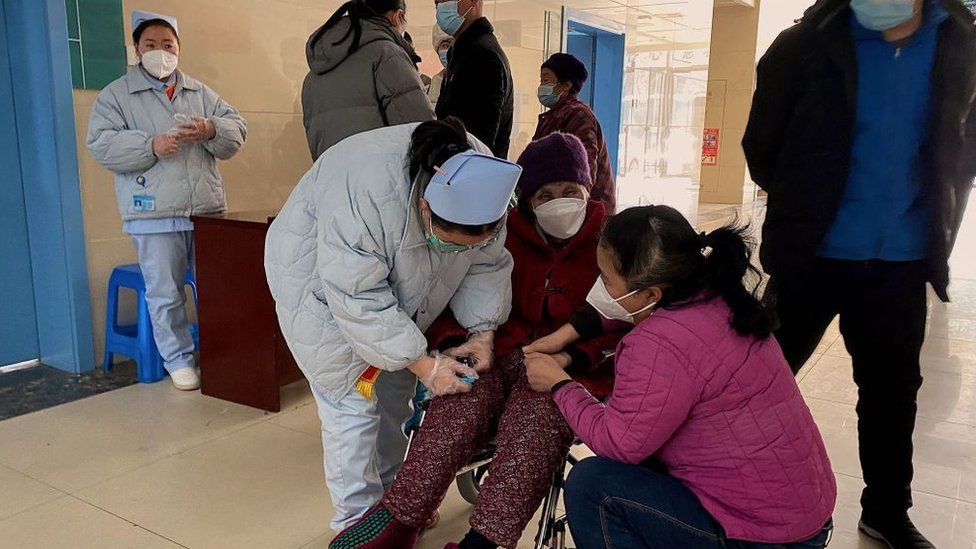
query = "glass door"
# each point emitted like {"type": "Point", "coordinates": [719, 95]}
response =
{"type": "Point", "coordinates": [553, 37]}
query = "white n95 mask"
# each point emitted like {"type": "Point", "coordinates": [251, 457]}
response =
{"type": "Point", "coordinates": [160, 63]}
{"type": "Point", "coordinates": [610, 308]}
{"type": "Point", "coordinates": [561, 218]}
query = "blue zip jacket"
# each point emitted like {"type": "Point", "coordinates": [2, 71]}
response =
{"type": "Point", "coordinates": [885, 212]}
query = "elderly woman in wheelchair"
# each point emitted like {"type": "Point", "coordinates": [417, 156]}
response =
{"type": "Point", "coordinates": [553, 236]}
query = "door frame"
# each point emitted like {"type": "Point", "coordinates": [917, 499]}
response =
{"type": "Point", "coordinates": [590, 20]}
{"type": "Point", "coordinates": [614, 110]}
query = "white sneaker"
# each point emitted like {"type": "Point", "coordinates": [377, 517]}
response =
{"type": "Point", "coordinates": [185, 379]}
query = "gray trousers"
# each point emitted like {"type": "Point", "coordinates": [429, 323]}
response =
{"type": "Point", "coordinates": [164, 259]}
{"type": "Point", "coordinates": [364, 443]}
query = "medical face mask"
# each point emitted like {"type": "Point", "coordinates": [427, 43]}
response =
{"type": "Point", "coordinates": [548, 96]}
{"type": "Point", "coordinates": [881, 15]}
{"type": "Point", "coordinates": [561, 218]}
{"type": "Point", "coordinates": [610, 308]}
{"type": "Point", "coordinates": [443, 57]}
{"type": "Point", "coordinates": [160, 63]}
{"type": "Point", "coordinates": [448, 18]}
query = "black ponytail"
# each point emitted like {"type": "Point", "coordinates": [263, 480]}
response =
{"type": "Point", "coordinates": [357, 10]}
{"type": "Point", "coordinates": [657, 246]}
{"type": "Point", "coordinates": [432, 144]}
{"type": "Point", "coordinates": [729, 272]}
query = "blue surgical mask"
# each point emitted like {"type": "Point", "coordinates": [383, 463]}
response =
{"type": "Point", "coordinates": [443, 56]}
{"type": "Point", "coordinates": [548, 96]}
{"type": "Point", "coordinates": [448, 18]}
{"type": "Point", "coordinates": [881, 15]}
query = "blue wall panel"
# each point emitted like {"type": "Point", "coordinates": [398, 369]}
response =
{"type": "Point", "coordinates": [40, 65]}
{"type": "Point", "coordinates": [583, 46]}
{"type": "Point", "coordinates": [18, 323]}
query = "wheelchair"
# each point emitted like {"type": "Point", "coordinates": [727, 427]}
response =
{"type": "Point", "coordinates": [553, 525]}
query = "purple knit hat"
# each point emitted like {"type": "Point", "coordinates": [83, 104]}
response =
{"type": "Point", "coordinates": [568, 68]}
{"type": "Point", "coordinates": [556, 157]}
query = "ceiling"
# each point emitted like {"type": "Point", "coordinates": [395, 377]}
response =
{"type": "Point", "coordinates": [649, 24]}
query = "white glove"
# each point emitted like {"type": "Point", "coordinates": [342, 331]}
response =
{"type": "Point", "coordinates": [194, 130]}
{"type": "Point", "coordinates": [181, 120]}
{"type": "Point", "coordinates": [480, 347]}
{"type": "Point", "coordinates": [444, 378]}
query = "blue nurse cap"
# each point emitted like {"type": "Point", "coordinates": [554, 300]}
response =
{"type": "Point", "coordinates": [472, 188]}
{"type": "Point", "coordinates": [139, 17]}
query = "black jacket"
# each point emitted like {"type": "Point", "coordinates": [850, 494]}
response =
{"type": "Point", "coordinates": [478, 87]}
{"type": "Point", "coordinates": [798, 141]}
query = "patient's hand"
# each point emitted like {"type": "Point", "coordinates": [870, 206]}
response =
{"type": "Point", "coordinates": [543, 371]}
{"type": "Point", "coordinates": [555, 342]}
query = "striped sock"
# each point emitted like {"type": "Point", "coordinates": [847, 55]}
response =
{"type": "Point", "coordinates": [377, 529]}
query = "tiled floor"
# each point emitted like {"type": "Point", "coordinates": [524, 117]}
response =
{"type": "Point", "coordinates": [945, 436]}
{"type": "Point", "coordinates": [147, 466]}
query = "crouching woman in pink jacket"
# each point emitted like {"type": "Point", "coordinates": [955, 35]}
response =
{"type": "Point", "coordinates": [705, 441]}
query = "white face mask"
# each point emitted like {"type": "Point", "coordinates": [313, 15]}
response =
{"type": "Point", "coordinates": [610, 307]}
{"type": "Point", "coordinates": [160, 63]}
{"type": "Point", "coordinates": [561, 218]}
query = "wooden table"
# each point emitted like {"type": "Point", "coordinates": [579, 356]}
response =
{"type": "Point", "coordinates": [243, 356]}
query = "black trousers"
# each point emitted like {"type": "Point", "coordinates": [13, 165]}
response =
{"type": "Point", "coordinates": [882, 308]}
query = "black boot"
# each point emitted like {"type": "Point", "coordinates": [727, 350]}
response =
{"type": "Point", "coordinates": [897, 532]}
{"type": "Point", "coordinates": [476, 540]}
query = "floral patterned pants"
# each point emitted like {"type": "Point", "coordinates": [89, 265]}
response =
{"type": "Point", "coordinates": [532, 439]}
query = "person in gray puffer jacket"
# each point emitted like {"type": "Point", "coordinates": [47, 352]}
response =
{"type": "Point", "coordinates": [161, 133]}
{"type": "Point", "coordinates": [362, 74]}
{"type": "Point", "coordinates": [387, 230]}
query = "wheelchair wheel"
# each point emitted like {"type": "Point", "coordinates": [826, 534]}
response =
{"type": "Point", "coordinates": [469, 483]}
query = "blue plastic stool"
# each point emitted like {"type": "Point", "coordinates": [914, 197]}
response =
{"type": "Point", "coordinates": [136, 340]}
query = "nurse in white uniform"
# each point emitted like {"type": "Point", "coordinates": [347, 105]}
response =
{"type": "Point", "coordinates": [388, 229]}
{"type": "Point", "coordinates": [161, 133]}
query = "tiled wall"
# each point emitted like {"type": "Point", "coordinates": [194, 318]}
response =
{"type": "Point", "coordinates": [731, 83]}
{"type": "Point", "coordinates": [252, 53]}
{"type": "Point", "coordinates": [740, 36]}
{"type": "Point", "coordinates": [775, 17]}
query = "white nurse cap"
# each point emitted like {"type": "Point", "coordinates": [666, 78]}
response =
{"type": "Point", "coordinates": [472, 188]}
{"type": "Point", "coordinates": [139, 17]}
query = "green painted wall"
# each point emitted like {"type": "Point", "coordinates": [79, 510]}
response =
{"type": "Point", "coordinates": [96, 42]}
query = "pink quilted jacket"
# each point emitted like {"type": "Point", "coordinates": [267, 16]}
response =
{"type": "Point", "coordinates": [723, 413]}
